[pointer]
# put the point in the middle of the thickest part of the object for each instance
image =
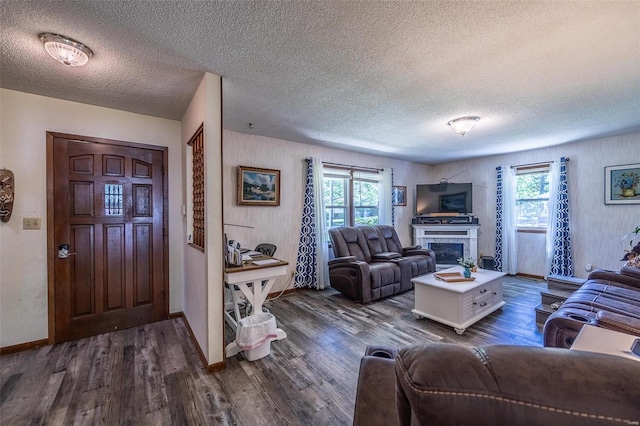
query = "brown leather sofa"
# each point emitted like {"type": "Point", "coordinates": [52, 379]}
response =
{"type": "Point", "coordinates": [448, 384]}
{"type": "Point", "coordinates": [607, 299]}
{"type": "Point", "coordinates": [371, 263]}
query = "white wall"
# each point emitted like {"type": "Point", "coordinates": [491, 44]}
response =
{"type": "Point", "coordinates": [203, 288]}
{"type": "Point", "coordinates": [214, 233]}
{"type": "Point", "coordinates": [281, 225]}
{"type": "Point", "coordinates": [195, 262]}
{"type": "Point", "coordinates": [24, 121]}
{"type": "Point", "coordinates": [596, 228]}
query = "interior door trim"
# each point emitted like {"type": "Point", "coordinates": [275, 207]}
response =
{"type": "Point", "coordinates": [51, 243]}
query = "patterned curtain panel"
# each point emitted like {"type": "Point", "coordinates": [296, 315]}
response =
{"type": "Point", "coordinates": [554, 179]}
{"type": "Point", "coordinates": [506, 253]}
{"type": "Point", "coordinates": [311, 267]}
{"type": "Point", "coordinates": [497, 261]}
{"type": "Point", "coordinates": [393, 208]}
{"type": "Point", "coordinates": [561, 259]}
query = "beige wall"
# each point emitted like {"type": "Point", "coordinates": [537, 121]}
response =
{"type": "Point", "coordinates": [214, 232]}
{"type": "Point", "coordinates": [281, 225]}
{"type": "Point", "coordinates": [203, 280]}
{"type": "Point", "coordinates": [596, 228]}
{"type": "Point", "coordinates": [24, 121]}
{"type": "Point", "coordinates": [195, 261]}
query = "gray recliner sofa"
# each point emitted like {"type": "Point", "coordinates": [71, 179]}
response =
{"type": "Point", "coordinates": [449, 384]}
{"type": "Point", "coordinates": [371, 263]}
{"type": "Point", "coordinates": [607, 299]}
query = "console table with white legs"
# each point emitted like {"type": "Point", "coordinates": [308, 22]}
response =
{"type": "Point", "coordinates": [254, 279]}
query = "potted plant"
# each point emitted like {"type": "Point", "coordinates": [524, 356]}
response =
{"type": "Point", "coordinates": [468, 265]}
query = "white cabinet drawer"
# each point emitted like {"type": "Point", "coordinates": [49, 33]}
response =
{"type": "Point", "coordinates": [483, 304]}
{"type": "Point", "coordinates": [488, 300]}
{"type": "Point", "coordinates": [482, 292]}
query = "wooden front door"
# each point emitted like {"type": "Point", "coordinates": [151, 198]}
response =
{"type": "Point", "coordinates": [109, 235]}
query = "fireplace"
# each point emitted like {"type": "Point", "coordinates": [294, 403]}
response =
{"type": "Point", "coordinates": [448, 241]}
{"type": "Point", "coordinates": [447, 253]}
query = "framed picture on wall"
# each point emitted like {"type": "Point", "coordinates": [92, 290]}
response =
{"type": "Point", "coordinates": [399, 195]}
{"type": "Point", "coordinates": [258, 187]}
{"type": "Point", "coordinates": [622, 184]}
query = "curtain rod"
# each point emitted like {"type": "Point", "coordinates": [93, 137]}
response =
{"type": "Point", "coordinates": [352, 167]}
{"type": "Point", "coordinates": [536, 164]}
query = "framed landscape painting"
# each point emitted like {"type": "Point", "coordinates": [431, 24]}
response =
{"type": "Point", "coordinates": [622, 184]}
{"type": "Point", "coordinates": [258, 187]}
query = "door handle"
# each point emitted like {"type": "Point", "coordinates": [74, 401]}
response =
{"type": "Point", "coordinates": [63, 251]}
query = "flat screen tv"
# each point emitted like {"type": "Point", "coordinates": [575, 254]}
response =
{"type": "Point", "coordinates": [444, 198]}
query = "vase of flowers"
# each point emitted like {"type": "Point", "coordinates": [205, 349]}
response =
{"type": "Point", "coordinates": [468, 265]}
{"type": "Point", "coordinates": [627, 182]}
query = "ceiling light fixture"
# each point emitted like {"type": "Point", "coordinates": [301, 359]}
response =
{"type": "Point", "coordinates": [66, 50]}
{"type": "Point", "coordinates": [463, 124]}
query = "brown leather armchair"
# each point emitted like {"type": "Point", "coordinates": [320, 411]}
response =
{"type": "Point", "coordinates": [448, 384]}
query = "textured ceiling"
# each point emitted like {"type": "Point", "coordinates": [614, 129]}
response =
{"type": "Point", "coordinates": [376, 77]}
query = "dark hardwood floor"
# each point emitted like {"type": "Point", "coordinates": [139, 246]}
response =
{"type": "Point", "coordinates": [153, 375]}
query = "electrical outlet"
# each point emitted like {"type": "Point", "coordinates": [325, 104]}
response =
{"type": "Point", "coordinates": [31, 222]}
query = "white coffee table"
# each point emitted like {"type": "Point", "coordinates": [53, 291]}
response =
{"type": "Point", "coordinates": [458, 304]}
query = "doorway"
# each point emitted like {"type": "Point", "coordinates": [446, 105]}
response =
{"type": "Point", "coordinates": [106, 235]}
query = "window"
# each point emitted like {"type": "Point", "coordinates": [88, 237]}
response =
{"type": "Point", "coordinates": [532, 197]}
{"type": "Point", "coordinates": [113, 199]}
{"type": "Point", "coordinates": [335, 202]}
{"type": "Point", "coordinates": [365, 202]}
{"type": "Point", "coordinates": [350, 197]}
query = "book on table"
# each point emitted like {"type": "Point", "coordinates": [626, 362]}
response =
{"type": "Point", "coordinates": [452, 277]}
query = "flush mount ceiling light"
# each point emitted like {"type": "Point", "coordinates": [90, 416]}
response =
{"type": "Point", "coordinates": [463, 124]}
{"type": "Point", "coordinates": [66, 50]}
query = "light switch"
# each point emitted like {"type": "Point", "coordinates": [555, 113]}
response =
{"type": "Point", "coordinates": [31, 222]}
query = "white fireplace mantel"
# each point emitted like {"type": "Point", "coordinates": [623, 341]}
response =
{"type": "Point", "coordinates": [467, 234]}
